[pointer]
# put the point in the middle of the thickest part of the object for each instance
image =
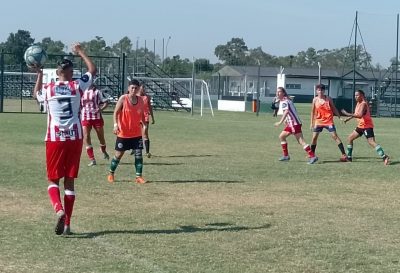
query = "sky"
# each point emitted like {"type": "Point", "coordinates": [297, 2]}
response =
{"type": "Point", "coordinates": [192, 29]}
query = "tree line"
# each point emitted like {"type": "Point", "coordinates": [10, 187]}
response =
{"type": "Point", "coordinates": [234, 52]}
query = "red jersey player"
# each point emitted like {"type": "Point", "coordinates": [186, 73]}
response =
{"type": "Point", "coordinates": [292, 126]}
{"type": "Point", "coordinates": [64, 133]}
{"type": "Point", "coordinates": [93, 103]}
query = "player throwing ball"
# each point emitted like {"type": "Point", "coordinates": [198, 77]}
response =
{"type": "Point", "coordinates": [64, 133]}
{"type": "Point", "coordinates": [365, 126]}
{"type": "Point", "coordinates": [292, 126]}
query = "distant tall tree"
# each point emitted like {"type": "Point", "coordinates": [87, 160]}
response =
{"type": "Point", "coordinates": [16, 44]}
{"type": "Point", "coordinates": [52, 47]}
{"type": "Point", "coordinates": [96, 47]}
{"type": "Point", "coordinates": [123, 46]}
{"type": "Point", "coordinates": [177, 67]}
{"type": "Point", "coordinates": [233, 53]}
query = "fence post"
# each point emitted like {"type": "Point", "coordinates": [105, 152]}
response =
{"type": "Point", "coordinates": [123, 78]}
{"type": "Point", "coordinates": [1, 81]}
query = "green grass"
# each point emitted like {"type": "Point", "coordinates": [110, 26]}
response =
{"type": "Point", "coordinates": [218, 201]}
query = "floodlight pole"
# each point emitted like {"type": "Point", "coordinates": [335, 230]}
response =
{"type": "Point", "coordinates": [354, 62]}
{"type": "Point", "coordinates": [258, 88]}
{"type": "Point", "coordinates": [2, 80]}
{"type": "Point", "coordinates": [193, 83]}
{"type": "Point", "coordinates": [397, 67]}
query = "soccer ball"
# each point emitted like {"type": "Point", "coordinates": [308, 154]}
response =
{"type": "Point", "coordinates": [35, 56]}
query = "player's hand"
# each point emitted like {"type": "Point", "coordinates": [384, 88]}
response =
{"type": "Point", "coordinates": [276, 124]}
{"type": "Point", "coordinates": [152, 121]}
{"type": "Point", "coordinates": [76, 48]}
{"type": "Point", "coordinates": [344, 112]}
{"type": "Point", "coordinates": [116, 129]}
{"type": "Point", "coordinates": [35, 68]}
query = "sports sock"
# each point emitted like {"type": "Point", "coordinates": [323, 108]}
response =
{"type": "Point", "coordinates": [138, 162]}
{"type": "Point", "coordinates": [69, 199]}
{"type": "Point", "coordinates": [349, 150]}
{"type": "Point", "coordinates": [147, 144]}
{"type": "Point", "coordinates": [380, 151]}
{"type": "Point", "coordinates": [103, 148]}
{"type": "Point", "coordinates": [285, 148]}
{"type": "Point", "coordinates": [54, 193]}
{"type": "Point", "coordinates": [89, 151]}
{"type": "Point", "coordinates": [114, 164]}
{"type": "Point", "coordinates": [341, 148]}
{"type": "Point", "coordinates": [313, 147]}
{"type": "Point", "coordinates": [307, 148]}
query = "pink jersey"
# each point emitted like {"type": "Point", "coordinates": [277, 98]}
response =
{"type": "Point", "coordinates": [91, 100]}
{"type": "Point", "coordinates": [63, 108]}
{"type": "Point", "coordinates": [292, 118]}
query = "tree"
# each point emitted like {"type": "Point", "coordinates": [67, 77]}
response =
{"type": "Point", "coordinates": [233, 53]}
{"type": "Point", "coordinates": [17, 44]}
{"type": "Point", "coordinates": [177, 67]}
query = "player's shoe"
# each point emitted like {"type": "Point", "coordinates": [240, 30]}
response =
{"type": "Point", "coordinates": [344, 158]}
{"type": "Point", "coordinates": [284, 158]}
{"type": "Point", "coordinates": [92, 163]}
{"type": "Point", "coordinates": [67, 230]}
{"type": "Point", "coordinates": [140, 180]}
{"type": "Point", "coordinates": [148, 155]}
{"type": "Point", "coordinates": [349, 159]}
{"type": "Point", "coordinates": [60, 222]}
{"type": "Point", "coordinates": [110, 178]}
{"type": "Point", "coordinates": [106, 156]}
{"type": "Point", "coordinates": [386, 160]}
{"type": "Point", "coordinates": [313, 160]}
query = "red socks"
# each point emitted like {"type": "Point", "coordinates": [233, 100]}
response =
{"type": "Point", "coordinates": [285, 148]}
{"type": "Point", "coordinates": [54, 193]}
{"type": "Point", "coordinates": [89, 151]}
{"type": "Point", "coordinates": [310, 153]}
{"type": "Point", "coordinates": [69, 199]}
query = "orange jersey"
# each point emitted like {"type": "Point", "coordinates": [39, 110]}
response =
{"type": "Point", "coordinates": [146, 102]}
{"type": "Point", "coordinates": [365, 121]}
{"type": "Point", "coordinates": [130, 118]}
{"type": "Point", "coordinates": [323, 112]}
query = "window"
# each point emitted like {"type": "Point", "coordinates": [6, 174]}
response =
{"type": "Point", "coordinates": [293, 86]}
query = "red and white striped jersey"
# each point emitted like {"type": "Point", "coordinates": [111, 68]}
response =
{"type": "Point", "coordinates": [63, 108]}
{"type": "Point", "coordinates": [91, 100]}
{"type": "Point", "coordinates": [292, 118]}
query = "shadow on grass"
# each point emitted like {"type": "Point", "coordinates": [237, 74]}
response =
{"type": "Point", "coordinates": [212, 227]}
{"type": "Point", "coordinates": [195, 181]}
{"type": "Point", "coordinates": [172, 156]}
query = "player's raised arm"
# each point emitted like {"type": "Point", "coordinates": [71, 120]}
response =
{"type": "Point", "coordinates": [77, 48]}
{"type": "Point", "coordinates": [39, 82]}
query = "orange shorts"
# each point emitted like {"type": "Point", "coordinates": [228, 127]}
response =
{"type": "Point", "coordinates": [63, 158]}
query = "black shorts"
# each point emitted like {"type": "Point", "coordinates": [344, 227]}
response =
{"type": "Point", "coordinates": [124, 144]}
{"type": "Point", "coordinates": [367, 132]}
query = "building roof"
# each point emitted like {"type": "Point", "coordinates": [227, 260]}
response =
{"type": "Point", "coordinates": [239, 71]}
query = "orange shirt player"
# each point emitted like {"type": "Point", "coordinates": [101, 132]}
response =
{"type": "Point", "coordinates": [322, 113]}
{"type": "Point", "coordinates": [365, 126]}
{"type": "Point", "coordinates": [128, 122]}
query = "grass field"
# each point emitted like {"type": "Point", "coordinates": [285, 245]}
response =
{"type": "Point", "coordinates": [218, 201]}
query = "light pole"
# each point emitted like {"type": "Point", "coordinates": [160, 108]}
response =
{"type": "Point", "coordinates": [258, 88]}
{"type": "Point", "coordinates": [166, 47]}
